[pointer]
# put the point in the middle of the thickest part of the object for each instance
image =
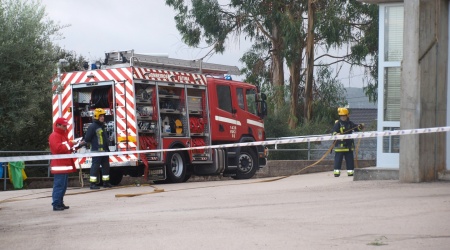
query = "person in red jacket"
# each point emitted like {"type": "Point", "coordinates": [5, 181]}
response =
{"type": "Point", "coordinates": [60, 168]}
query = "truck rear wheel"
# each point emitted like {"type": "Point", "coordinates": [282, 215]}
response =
{"type": "Point", "coordinates": [175, 167]}
{"type": "Point", "coordinates": [187, 177]}
{"type": "Point", "coordinates": [247, 164]}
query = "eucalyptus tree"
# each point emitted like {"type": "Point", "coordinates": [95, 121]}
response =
{"type": "Point", "coordinates": [209, 22]}
{"type": "Point", "coordinates": [330, 24]}
{"type": "Point", "coordinates": [283, 31]}
{"type": "Point", "coordinates": [294, 37]}
{"type": "Point", "coordinates": [334, 24]}
{"type": "Point", "coordinates": [353, 25]}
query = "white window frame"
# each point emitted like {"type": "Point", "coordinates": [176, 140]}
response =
{"type": "Point", "coordinates": [384, 160]}
{"type": "Point", "coordinates": [448, 99]}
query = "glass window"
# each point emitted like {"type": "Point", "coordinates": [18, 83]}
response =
{"type": "Point", "coordinates": [393, 33]}
{"type": "Point", "coordinates": [392, 94]}
{"type": "Point", "coordinates": [250, 95]}
{"type": "Point", "coordinates": [224, 97]}
{"type": "Point", "coordinates": [240, 97]}
{"type": "Point", "coordinates": [391, 144]}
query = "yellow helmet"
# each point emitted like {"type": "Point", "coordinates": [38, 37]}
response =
{"type": "Point", "coordinates": [342, 111]}
{"type": "Point", "coordinates": [98, 112]}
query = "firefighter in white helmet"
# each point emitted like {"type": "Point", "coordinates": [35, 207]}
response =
{"type": "Point", "coordinates": [98, 138]}
{"type": "Point", "coordinates": [344, 148]}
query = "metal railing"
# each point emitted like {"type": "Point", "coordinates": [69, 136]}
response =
{"type": "Point", "coordinates": [5, 164]}
{"type": "Point", "coordinates": [47, 162]}
{"type": "Point", "coordinates": [308, 149]}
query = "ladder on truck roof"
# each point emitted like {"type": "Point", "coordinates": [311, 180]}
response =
{"type": "Point", "coordinates": [116, 59]}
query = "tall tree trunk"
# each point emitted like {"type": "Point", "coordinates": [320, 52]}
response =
{"type": "Point", "coordinates": [277, 68]}
{"type": "Point", "coordinates": [310, 62]}
{"type": "Point", "coordinates": [294, 70]}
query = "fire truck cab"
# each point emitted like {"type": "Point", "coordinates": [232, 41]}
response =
{"type": "Point", "coordinates": [164, 106]}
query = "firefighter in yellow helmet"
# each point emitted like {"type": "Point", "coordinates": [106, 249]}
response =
{"type": "Point", "coordinates": [97, 136]}
{"type": "Point", "coordinates": [344, 148]}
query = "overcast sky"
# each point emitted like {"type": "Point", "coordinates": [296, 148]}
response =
{"type": "Point", "coordinates": [147, 26]}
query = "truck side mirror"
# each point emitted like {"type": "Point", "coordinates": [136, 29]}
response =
{"type": "Point", "coordinates": [262, 105]}
{"type": "Point", "coordinates": [262, 109]}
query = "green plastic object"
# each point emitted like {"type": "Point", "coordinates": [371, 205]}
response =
{"type": "Point", "coordinates": [16, 176]}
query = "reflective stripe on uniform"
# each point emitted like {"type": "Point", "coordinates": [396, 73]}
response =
{"type": "Point", "coordinates": [93, 179]}
{"type": "Point", "coordinates": [105, 177]}
{"type": "Point", "coordinates": [341, 149]}
{"type": "Point", "coordinates": [99, 133]}
{"type": "Point", "coordinates": [61, 168]}
{"type": "Point", "coordinates": [67, 145]}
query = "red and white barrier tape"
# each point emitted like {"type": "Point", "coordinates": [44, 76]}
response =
{"type": "Point", "coordinates": [312, 138]}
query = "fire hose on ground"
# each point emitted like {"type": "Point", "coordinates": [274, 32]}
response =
{"type": "Point", "coordinates": [358, 136]}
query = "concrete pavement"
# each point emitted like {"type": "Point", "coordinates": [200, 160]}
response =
{"type": "Point", "coordinates": [311, 211]}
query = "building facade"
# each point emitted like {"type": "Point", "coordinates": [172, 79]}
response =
{"type": "Point", "coordinates": [414, 86]}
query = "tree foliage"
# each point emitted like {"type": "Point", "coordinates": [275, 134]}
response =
{"type": "Point", "coordinates": [257, 20]}
{"type": "Point", "coordinates": [279, 31]}
{"type": "Point", "coordinates": [28, 64]}
{"type": "Point", "coordinates": [358, 31]}
{"type": "Point", "coordinates": [205, 19]}
{"type": "Point", "coordinates": [337, 23]}
{"type": "Point", "coordinates": [329, 94]}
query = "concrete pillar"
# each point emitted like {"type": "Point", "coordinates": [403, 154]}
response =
{"type": "Point", "coordinates": [424, 89]}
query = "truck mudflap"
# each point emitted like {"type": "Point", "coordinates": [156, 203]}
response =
{"type": "Point", "coordinates": [157, 172]}
{"type": "Point", "coordinates": [263, 153]}
{"type": "Point", "coordinates": [215, 167]}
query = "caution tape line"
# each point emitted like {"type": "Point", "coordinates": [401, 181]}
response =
{"type": "Point", "coordinates": [311, 138]}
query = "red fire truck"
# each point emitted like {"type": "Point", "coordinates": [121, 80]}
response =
{"type": "Point", "coordinates": [157, 103]}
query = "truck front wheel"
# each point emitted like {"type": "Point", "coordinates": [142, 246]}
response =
{"type": "Point", "coordinates": [175, 167]}
{"type": "Point", "coordinates": [247, 164]}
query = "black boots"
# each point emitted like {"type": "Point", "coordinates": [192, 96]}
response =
{"type": "Point", "coordinates": [106, 184]}
{"type": "Point", "coordinates": [94, 186]}
{"type": "Point", "coordinates": [58, 208]}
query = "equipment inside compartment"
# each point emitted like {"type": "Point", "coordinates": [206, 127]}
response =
{"type": "Point", "coordinates": [86, 100]}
